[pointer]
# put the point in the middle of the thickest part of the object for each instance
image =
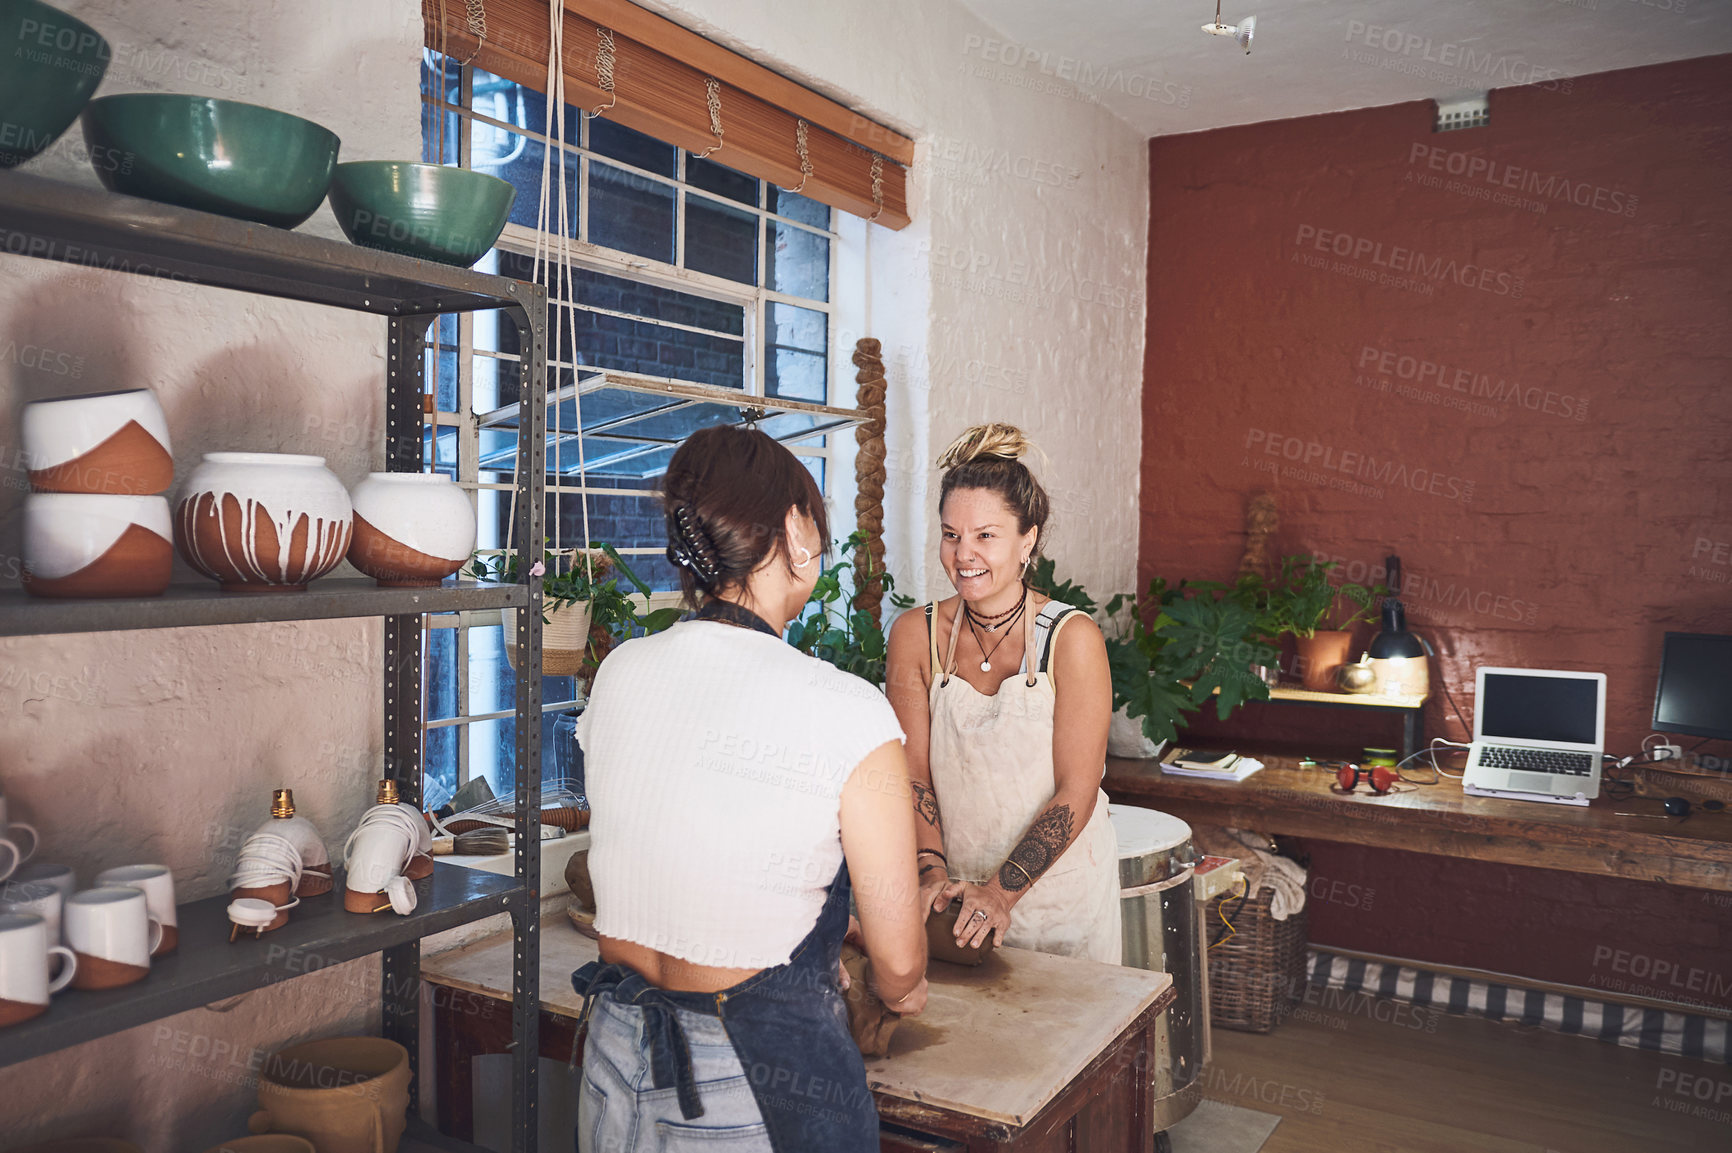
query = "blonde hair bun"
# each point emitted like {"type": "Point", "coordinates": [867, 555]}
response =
{"type": "Point", "coordinates": [987, 441]}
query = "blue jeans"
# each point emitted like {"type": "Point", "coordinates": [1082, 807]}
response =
{"type": "Point", "coordinates": [620, 1111]}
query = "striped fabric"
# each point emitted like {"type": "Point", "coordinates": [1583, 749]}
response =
{"type": "Point", "coordinates": [1680, 1034]}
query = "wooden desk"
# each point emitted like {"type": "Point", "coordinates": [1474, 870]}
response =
{"type": "Point", "coordinates": [1026, 1052]}
{"type": "Point", "coordinates": [1441, 819]}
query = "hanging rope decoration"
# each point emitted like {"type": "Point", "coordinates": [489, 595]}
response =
{"type": "Point", "coordinates": [869, 474]}
{"type": "Point", "coordinates": [477, 14]}
{"type": "Point", "coordinates": [805, 156]}
{"type": "Point", "coordinates": [604, 57]}
{"type": "Point", "coordinates": [713, 97]}
{"type": "Point", "coordinates": [877, 188]}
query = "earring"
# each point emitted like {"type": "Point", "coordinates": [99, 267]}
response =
{"type": "Point", "coordinates": [808, 560]}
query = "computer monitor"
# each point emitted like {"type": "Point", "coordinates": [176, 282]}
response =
{"type": "Point", "coordinates": [1695, 690]}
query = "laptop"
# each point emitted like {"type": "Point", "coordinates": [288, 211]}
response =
{"type": "Point", "coordinates": [1537, 735]}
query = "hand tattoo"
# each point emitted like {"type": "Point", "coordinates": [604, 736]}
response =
{"type": "Point", "coordinates": [925, 803]}
{"type": "Point", "coordinates": [1038, 849]}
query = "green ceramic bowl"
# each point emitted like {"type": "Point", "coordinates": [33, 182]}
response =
{"type": "Point", "coordinates": [220, 156]}
{"type": "Point", "coordinates": [52, 63]}
{"type": "Point", "coordinates": [452, 215]}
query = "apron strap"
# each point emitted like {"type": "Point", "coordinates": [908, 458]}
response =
{"type": "Point", "coordinates": [955, 631]}
{"type": "Point", "coordinates": [1028, 644]}
{"type": "Point", "coordinates": [670, 1053]}
{"type": "Point", "coordinates": [932, 636]}
{"type": "Point", "coordinates": [1051, 638]}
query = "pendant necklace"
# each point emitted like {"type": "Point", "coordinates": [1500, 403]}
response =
{"type": "Point", "coordinates": [986, 657]}
{"type": "Point", "coordinates": [997, 620]}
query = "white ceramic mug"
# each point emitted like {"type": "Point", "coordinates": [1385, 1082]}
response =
{"type": "Point", "coordinates": [37, 898]}
{"type": "Point", "coordinates": [12, 854]}
{"type": "Point", "coordinates": [24, 960]}
{"type": "Point", "coordinates": [157, 885]}
{"type": "Point", "coordinates": [113, 933]}
{"type": "Point", "coordinates": [60, 876]}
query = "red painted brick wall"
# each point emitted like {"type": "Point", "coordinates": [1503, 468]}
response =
{"type": "Point", "coordinates": [1504, 353]}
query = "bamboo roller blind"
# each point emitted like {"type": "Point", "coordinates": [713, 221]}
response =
{"type": "Point", "coordinates": [660, 74]}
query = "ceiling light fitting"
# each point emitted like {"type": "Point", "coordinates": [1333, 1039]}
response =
{"type": "Point", "coordinates": [1465, 112]}
{"type": "Point", "coordinates": [1240, 32]}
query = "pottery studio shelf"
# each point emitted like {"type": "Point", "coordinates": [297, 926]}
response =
{"type": "Point", "coordinates": [73, 224]}
{"type": "Point", "coordinates": [191, 605]}
{"type": "Point", "coordinates": [206, 967]}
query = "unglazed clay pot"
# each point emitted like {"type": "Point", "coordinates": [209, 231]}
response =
{"type": "Point", "coordinates": [412, 529]}
{"type": "Point", "coordinates": [109, 442]}
{"type": "Point", "coordinates": [91, 545]}
{"type": "Point", "coordinates": [344, 1094]}
{"type": "Point", "coordinates": [268, 1143]}
{"type": "Point", "coordinates": [262, 521]}
{"type": "Point", "coordinates": [1321, 655]}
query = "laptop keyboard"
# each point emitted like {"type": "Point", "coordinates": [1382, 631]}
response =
{"type": "Point", "coordinates": [1537, 760]}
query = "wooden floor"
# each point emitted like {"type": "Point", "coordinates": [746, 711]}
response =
{"type": "Point", "coordinates": [1353, 1075]}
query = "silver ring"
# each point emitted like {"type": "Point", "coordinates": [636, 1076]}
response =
{"type": "Point", "coordinates": [980, 912]}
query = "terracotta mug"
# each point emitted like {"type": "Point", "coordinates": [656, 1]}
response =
{"type": "Point", "coordinates": [12, 853]}
{"type": "Point", "coordinates": [37, 898]}
{"type": "Point", "coordinates": [157, 885]}
{"type": "Point", "coordinates": [25, 950]}
{"type": "Point", "coordinates": [113, 933]}
{"type": "Point", "coordinates": [344, 1094]}
{"type": "Point", "coordinates": [267, 1143]}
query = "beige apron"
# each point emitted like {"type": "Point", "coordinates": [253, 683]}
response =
{"type": "Point", "coordinates": [992, 768]}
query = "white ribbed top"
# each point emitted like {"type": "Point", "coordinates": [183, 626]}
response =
{"type": "Point", "coordinates": [714, 759]}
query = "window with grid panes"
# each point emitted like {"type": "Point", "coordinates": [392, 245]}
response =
{"type": "Point", "coordinates": [684, 271]}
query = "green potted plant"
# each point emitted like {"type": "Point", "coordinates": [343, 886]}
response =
{"type": "Point", "coordinates": [584, 611]}
{"type": "Point", "coordinates": [1320, 614]}
{"type": "Point", "coordinates": [833, 628]}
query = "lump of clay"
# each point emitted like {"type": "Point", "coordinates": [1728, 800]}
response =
{"type": "Point", "coordinates": [577, 879]}
{"type": "Point", "coordinates": [941, 938]}
{"type": "Point", "coordinates": [869, 1019]}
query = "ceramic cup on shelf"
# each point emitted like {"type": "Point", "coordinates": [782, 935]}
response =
{"type": "Point", "coordinates": [47, 872]}
{"type": "Point", "coordinates": [105, 442]}
{"type": "Point", "coordinates": [94, 545]}
{"type": "Point", "coordinates": [38, 899]}
{"type": "Point", "coordinates": [263, 521]}
{"type": "Point", "coordinates": [17, 842]}
{"type": "Point", "coordinates": [345, 1094]}
{"type": "Point", "coordinates": [113, 933]}
{"type": "Point", "coordinates": [26, 952]}
{"type": "Point", "coordinates": [157, 885]}
{"type": "Point", "coordinates": [412, 529]}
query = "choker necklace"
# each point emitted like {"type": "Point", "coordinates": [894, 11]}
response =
{"type": "Point", "coordinates": [997, 620]}
{"type": "Point", "coordinates": [729, 613]}
{"type": "Point", "coordinates": [985, 656]}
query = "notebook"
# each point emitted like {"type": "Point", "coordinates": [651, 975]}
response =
{"type": "Point", "coordinates": [1537, 735]}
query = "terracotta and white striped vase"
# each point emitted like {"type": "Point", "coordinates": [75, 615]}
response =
{"type": "Point", "coordinates": [107, 442]}
{"type": "Point", "coordinates": [412, 529]}
{"type": "Point", "coordinates": [263, 521]}
{"type": "Point", "coordinates": [94, 545]}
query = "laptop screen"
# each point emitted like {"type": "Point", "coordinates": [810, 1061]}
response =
{"type": "Point", "coordinates": [1514, 707]}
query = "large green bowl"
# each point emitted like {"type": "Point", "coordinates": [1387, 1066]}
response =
{"type": "Point", "coordinates": [452, 215]}
{"type": "Point", "coordinates": [49, 66]}
{"type": "Point", "coordinates": [221, 156]}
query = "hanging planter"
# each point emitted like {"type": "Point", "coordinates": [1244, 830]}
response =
{"type": "Point", "coordinates": [564, 639]}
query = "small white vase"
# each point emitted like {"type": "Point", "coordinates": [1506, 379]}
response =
{"type": "Point", "coordinates": [263, 521]}
{"type": "Point", "coordinates": [96, 545]}
{"type": "Point", "coordinates": [106, 442]}
{"type": "Point", "coordinates": [412, 529]}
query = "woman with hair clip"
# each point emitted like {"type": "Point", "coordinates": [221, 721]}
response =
{"type": "Point", "coordinates": [740, 790]}
{"type": "Point", "coordinates": [1005, 696]}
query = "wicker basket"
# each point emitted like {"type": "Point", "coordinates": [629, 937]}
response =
{"type": "Point", "coordinates": [1256, 976]}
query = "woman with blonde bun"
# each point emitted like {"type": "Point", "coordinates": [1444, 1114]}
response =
{"type": "Point", "coordinates": [1005, 697]}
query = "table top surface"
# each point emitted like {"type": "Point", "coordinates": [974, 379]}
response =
{"type": "Point", "coordinates": [1441, 818]}
{"type": "Point", "coordinates": [998, 1041]}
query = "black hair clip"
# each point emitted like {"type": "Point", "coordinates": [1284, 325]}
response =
{"type": "Point", "coordinates": [690, 546]}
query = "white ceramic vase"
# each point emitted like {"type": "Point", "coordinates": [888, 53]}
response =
{"type": "Point", "coordinates": [263, 521]}
{"type": "Point", "coordinates": [106, 442]}
{"type": "Point", "coordinates": [92, 545]}
{"type": "Point", "coordinates": [412, 529]}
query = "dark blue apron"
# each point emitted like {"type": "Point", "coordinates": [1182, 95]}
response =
{"type": "Point", "coordinates": [789, 1026]}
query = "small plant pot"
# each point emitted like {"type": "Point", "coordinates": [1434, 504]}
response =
{"type": "Point", "coordinates": [1321, 657]}
{"type": "Point", "coordinates": [564, 637]}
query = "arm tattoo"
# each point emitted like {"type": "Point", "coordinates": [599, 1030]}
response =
{"type": "Point", "coordinates": [925, 803]}
{"type": "Point", "coordinates": [1038, 849]}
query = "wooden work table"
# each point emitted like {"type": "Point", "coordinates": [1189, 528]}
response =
{"type": "Point", "coordinates": [1695, 852]}
{"type": "Point", "coordinates": [1027, 1051]}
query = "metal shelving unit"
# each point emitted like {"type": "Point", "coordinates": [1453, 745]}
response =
{"type": "Point", "coordinates": [93, 228]}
